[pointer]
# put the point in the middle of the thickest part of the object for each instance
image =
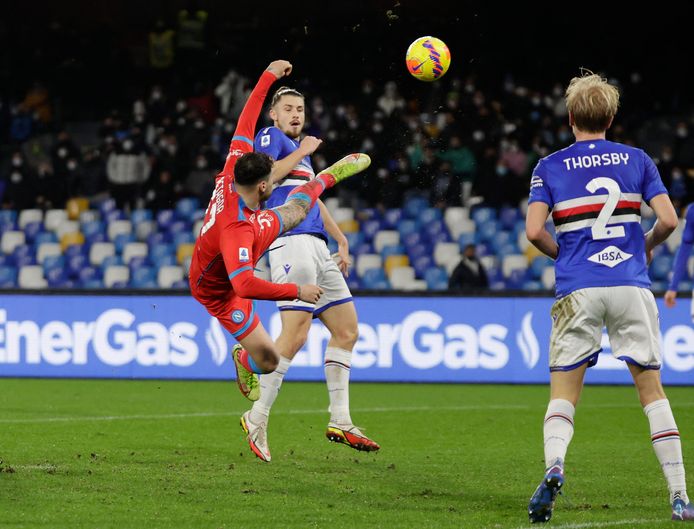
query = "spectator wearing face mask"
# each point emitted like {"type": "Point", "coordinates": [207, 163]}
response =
{"type": "Point", "coordinates": [19, 183]}
{"type": "Point", "coordinates": [127, 169]}
{"type": "Point", "coordinates": [469, 274]}
{"type": "Point", "coordinates": [200, 181]}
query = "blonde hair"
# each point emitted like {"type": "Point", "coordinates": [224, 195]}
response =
{"type": "Point", "coordinates": [592, 102]}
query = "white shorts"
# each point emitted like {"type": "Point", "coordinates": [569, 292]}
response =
{"type": "Point", "coordinates": [630, 315]}
{"type": "Point", "coordinates": [305, 259]}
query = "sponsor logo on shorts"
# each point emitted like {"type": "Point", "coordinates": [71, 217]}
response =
{"type": "Point", "coordinates": [610, 256]}
{"type": "Point", "coordinates": [244, 255]}
{"type": "Point", "coordinates": [238, 316]}
{"type": "Point", "coordinates": [287, 268]}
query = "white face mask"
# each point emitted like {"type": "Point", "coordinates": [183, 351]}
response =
{"type": "Point", "coordinates": [72, 165]}
{"type": "Point", "coordinates": [17, 161]}
{"type": "Point", "coordinates": [201, 163]}
{"type": "Point", "coordinates": [127, 145]}
{"type": "Point", "coordinates": [16, 177]}
{"type": "Point", "coordinates": [62, 152]}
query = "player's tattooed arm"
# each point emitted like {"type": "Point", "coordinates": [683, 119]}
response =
{"type": "Point", "coordinates": [292, 213]}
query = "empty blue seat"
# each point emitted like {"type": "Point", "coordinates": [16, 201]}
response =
{"type": "Point", "coordinates": [92, 284]}
{"type": "Point", "coordinates": [532, 286]}
{"type": "Point", "coordinates": [332, 245]}
{"type": "Point", "coordinates": [115, 214]}
{"type": "Point", "coordinates": [5, 260]}
{"type": "Point", "coordinates": [519, 227]}
{"type": "Point", "coordinates": [165, 260]}
{"type": "Point", "coordinates": [500, 239]}
{"type": "Point", "coordinates": [685, 286]}
{"type": "Point", "coordinates": [140, 215]}
{"type": "Point", "coordinates": [436, 278]}
{"type": "Point", "coordinates": [369, 214]}
{"type": "Point", "coordinates": [487, 230]}
{"type": "Point", "coordinates": [149, 284]}
{"type": "Point", "coordinates": [31, 230]}
{"type": "Point", "coordinates": [392, 217]}
{"type": "Point", "coordinates": [480, 215]}
{"type": "Point", "coordinates": [96, 237]}
{"type": "Point", "coordinates": [8, 216]}
{"type": "Point", "coordinates": [516, 279]}
{"type": "Point", "coordinates": [111, 260]}
{"type": "Point", "coordinates": [508, 249]}
{"type": "Point", "coordinates": [74, 264]}
{"type": "Point", "coordinates": [179, 226]}
{"type": "Point", "coordinates": [122, 239]}
{"type": "Point", "coordinates": [23, 255]}
{"type": "Point", "coordinates": [198, 214]}
{"type": "Point", "coordinates": [8, 277]}
{"type": "Point", "coordinates": [407, 226]}
{"type": "Point", "coordinates": [465, 239]}
{"type": "Point", "coordinates": [539, 264]}
{"type": "Point", "coordinates": [364, 247]}
{"type": "Point", "coordinates": [660, 267]}
{"type": "Point", "coordinates": [659, 286]}
{"type": "Point", "coordinates": [89, 273]}
{"type": "Point", "coordinates": [418, 250]}
{"type": "Point", "coordinates": [55, 277]}
{"type": "Point", "coordinates": [433, 228]}
{"type": "Point", "coordinates": [157, 251]}
{"type": "Point", "coordinates": [44, 236]}
{"type": "Point", "coordinates": [413, 206]}
{"type": "Point", "coordinates": [76, 249]}
{"type": "Point", "coordinates": [53, 261]}
{"type": "Point", "coordinates": [187, 237]}
{"type": "Point", "coordinates": [373, 275]}
{"type": "Point", "coordinates": [428, 215]}
{"type": "Point", "coordinates": [158, 237]}
{"type": "Point", "coordinates": [508, 217]}
{"type": "Point", "coordinates": [186, 207]}
{"type": "Point", "coordinates": [137, 262]}
{"type": "Point", "coordinates": [371, 228]}
{"type": "Point", "coordinates": [442, 236]}
{"type": "Point", "coordinates": [421, 264]}
{"type": "Point", "coordinates": [411, 239]}
{"type": "Point", "coordinates": [392, 249]}
{"type": "Point", "coordinates": [142, 274]}
{"type": "Point", "coordinates": [165, 217]}
{"type": "Point", "coordinates": [353, 282]}
{"type": "Point", "coordinates": [107, 205]}
{"type": "Point", "coordinates": [181, 284]}
{"type": "Point", "coordinates": [353, 239]}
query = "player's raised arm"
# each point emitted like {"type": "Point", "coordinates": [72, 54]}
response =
{"type": "Point", "coordinates": [242, 141]}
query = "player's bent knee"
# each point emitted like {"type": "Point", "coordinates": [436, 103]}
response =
{"type": "Point", "coordinates": [346, 336]}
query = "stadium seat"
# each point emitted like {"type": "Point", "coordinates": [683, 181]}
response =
{"type": "Point", "coordinates": [31, 276]}
{"type": "Point", "coordinates": [67, 226]}
{"type": "Point", "coordinates": [413, 206]}
{"type": "Point", "coordinates": [508, 217]}
{"type": "Point", "coordinates": [71, 239]}
{"type": "Point", "coordinates": [372, 276]}
{"type": "Point", "coordinates": [445, 252]}
{"type": "Point", "coordinates": [74, 249]}
{"type": "Point", "coordinates": [392, 217]}
{"type": "Point", "coordinates": [436, 278]}
{"type": "Point", "coordinates": [31, 231]}
{"type": "Point", "coordinates": [198, 214]}
{"type": "Point", "coordinates": [116, 274]}
{"type": "Point", "coordinates": [188, 259]}
{"type": "Point", "coordinates": [342, 214]}
{"type": "Point", "coordinates": [411, 239]}
{"type": "Point", "coordinates": [685, 286]}
{"type": "Point", "coordinates": [675, 239]}
{"type": "Point", "coordinates": [89, 273]}
{"type": "Point", "coordinates": [47, 249]}
{"type": "Point", "coordinates": [111, 260]}
{"type": "Point", "coordinates": [500, 239]}
{"type": "Point", "coordinates": [532, 286]}
{"type": "Point", "coordinates": [354, 239]}
{"type": "Point", "coordinates": [168, 275]}
{"type": "Point", "coordinates": [107, 205]}
{"type": "Point", "coordinates": [548, 278]}
{"type": "Point", "coordinates": [348, 226]}
{"type": "Point", "coordinates": [113, 215]}
{"type": "Point", "coordinates": [121, 240]}
{"type": "Point", "coordinates": [140, 215]}
{"type": "Point", "coordinates": [538, 265]}
{"type": "Point", "coordinates": [119, 227]}
{"type": "Point", "coordinates": [418, 250]}
{"type": "Point", "coordinates": [8, 216]}
{"type": "Point", "coordinates": [8, 277]}
{"type": "Point", "coordinates": [659, 286]}
{"type": "Point", "coordinates": [421, 264]}
{"type": "Point", "coordinates": [184, 237]}
{"type": "Point", "coordinates": [516, 279]}
{"type": "Point", "coordinates": [522, 241]}
{"type": "Point", "coordinates": [145, 274]}
{"type": "Point", "coordinates": [55, 277]}
{"type": "Point", "coordinates": [186, 207]}
{"type": "Point", "coordinates": [197, 227]}
{"type": "Point", "coordinates": [54, 218]}
{"type": "Point", "coordinates": [427, 215]}
{"type": "Point", "coordinates": [368, 262]}
{"type": "Point", "coordinates": [417, 285]}
{"type": "Point", "coordinates": [23, 255]}
{"type": "Point", "coordinates": [11, 239]}
{"type": "Point", "coordinates": [99, 251]}
{"type": "Point", "coordinates": [487, 230]}
{"type": "Point", "coordinates": [401, 276]}
{"type": "Point", "coordinates": [181, 284]}
{"type": "Point", "coordinates": [660, 267]}
{"type": "Point", "coordinates": [480, 215]}
{"type": "Point", "coordinates": [183, 251]}
{"type": "Point", "coordinates": [29, 215]}
{"type": "Point", "coordinates": [165, 218]}
{"type": "Point", "coordinates": [74, 264]}
{"type": "Point", "coordinates": [466, 239]}
{"type": "Point", "coordinates": [455, 214]}
{"type": "Point", "coordinates": [371, 227]}
{"type": "Point", "coordinates": [134, 249]}
{"type": "Point", "coordinates": [394, 261]}
{"type": "Point", "coordinates": [178, 226]}
{"type": "Point", "coordinates": [159, 250]}
{"type": "Point", "coordinates": [91, 215]}
{"type": "Point", "coordinates": [386, 238]}
{"type": "Point", "coordinates": [332, 203]}
{"type": "Point", "coordinates": [407, 227]}
{"type": "Point", "coordinates": [75, 207]}
{"type": "Point", "coordinates": [144, 229]}
{"type": "Point", "coordinates": [513, 262]}
{"type": "Point", "coordinates": [435, 229]}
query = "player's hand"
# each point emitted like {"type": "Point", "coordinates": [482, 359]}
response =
{"type": "Point", "coordinates": [342, 258]}
{"type": "Point", "coordinates": [309, 145]}
{"type": "Point", "coordinates": [669, 298]}
{"type": "Point", "coordinates": [310, 293]}
{"type": "Point", "coordinates": [280, 68]}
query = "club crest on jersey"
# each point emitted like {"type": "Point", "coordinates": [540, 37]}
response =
{"type": "Point", "coordinates": [610, 256]}
{"type": "Point", "coordinates": [238, 316]}
{"type": "Point", "coordinates": [244, 255]}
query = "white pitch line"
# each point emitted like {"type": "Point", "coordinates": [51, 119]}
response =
{"type": "Point", "coordinates": [592, 525]}
{"type": "Point", "coordinates": [382, 409]}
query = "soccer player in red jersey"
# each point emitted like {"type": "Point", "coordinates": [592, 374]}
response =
{"type": "Point", "coordinates": [236, 232]}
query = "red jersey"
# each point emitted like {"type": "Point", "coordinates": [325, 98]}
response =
{"type": "Point", "coordinates": [233, 237]}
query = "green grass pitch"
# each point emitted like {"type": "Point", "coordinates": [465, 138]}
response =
{"type": "Point", "coordinates": [154, 454]}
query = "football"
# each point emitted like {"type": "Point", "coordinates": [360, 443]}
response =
{"type": "Point", "coordinates": [428, 58]}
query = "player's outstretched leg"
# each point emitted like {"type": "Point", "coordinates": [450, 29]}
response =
{"type": "Point", "coordinates": [302, 198]}
{"type": "Point", "coordinates": [256, 435]}
{"type": "Point", "coordinates": [542, 502]}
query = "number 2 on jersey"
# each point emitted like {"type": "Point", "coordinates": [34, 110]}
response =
{"type": "Point", "coordinates": [600, 230]}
